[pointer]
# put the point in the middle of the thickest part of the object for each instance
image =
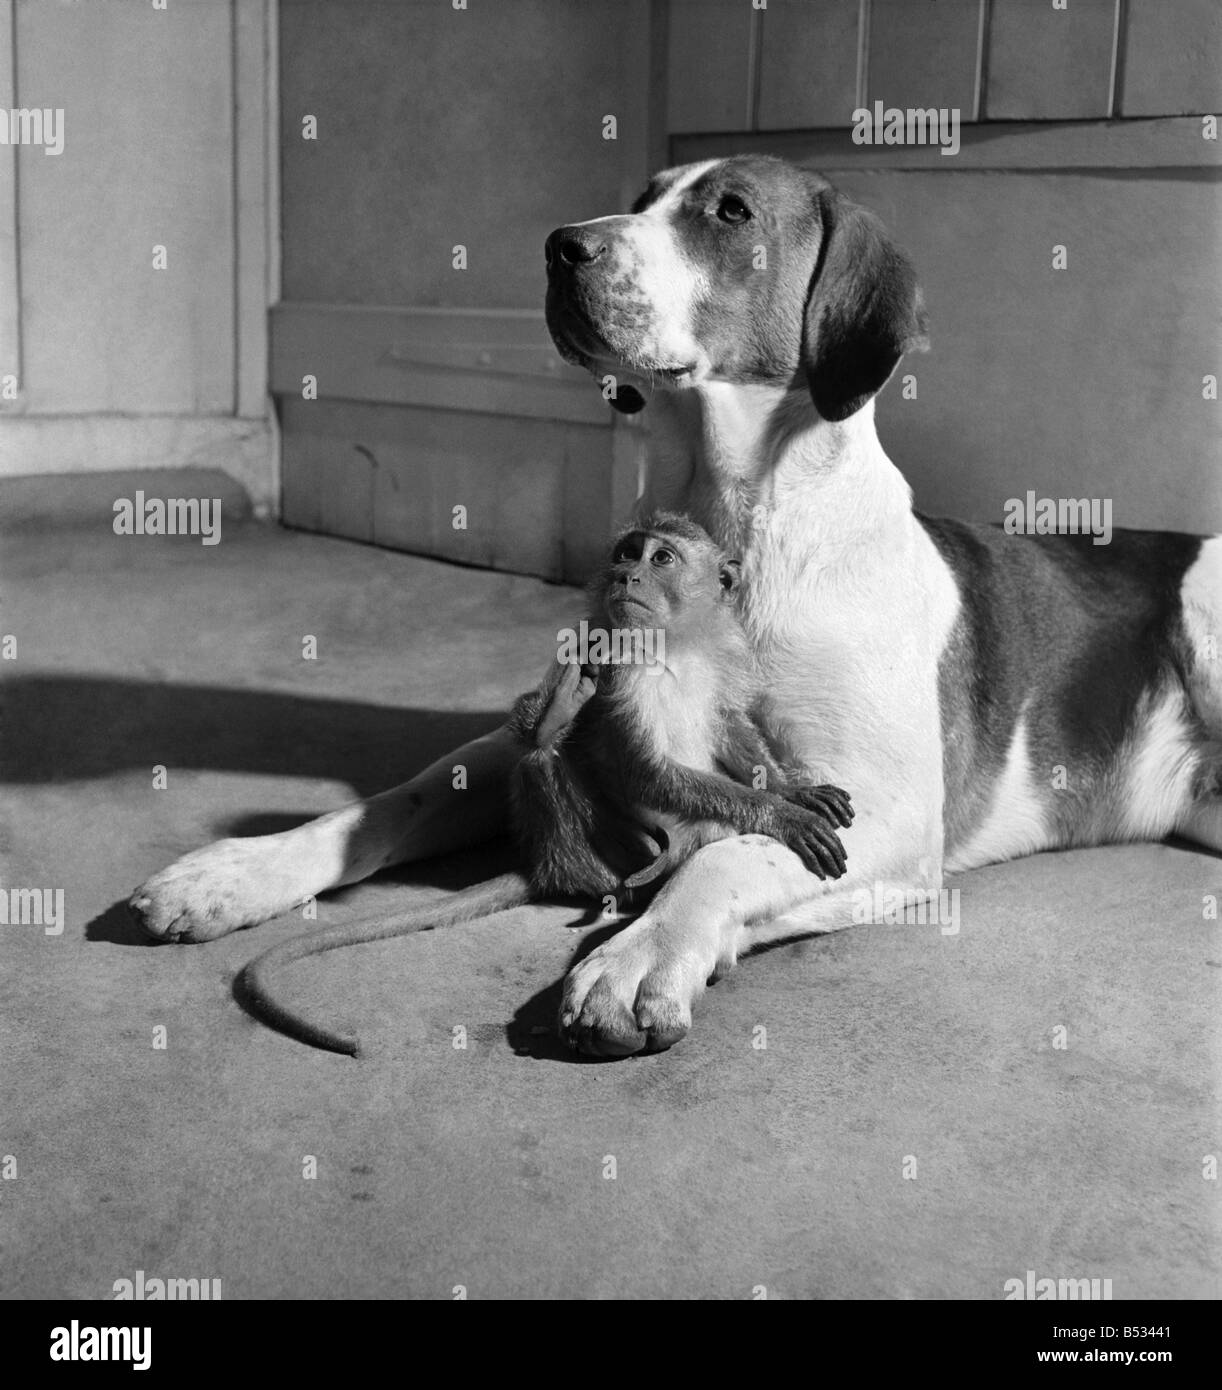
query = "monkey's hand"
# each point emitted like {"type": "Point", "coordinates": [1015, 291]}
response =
{"type": "Point", "coordinates": [810, 835]}
{"type": "Point", "coordinates": [826, 800]}
{"type": "Point", "coordinates": [568, 695]}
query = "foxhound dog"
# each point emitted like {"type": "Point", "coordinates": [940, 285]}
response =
{"type": "Point", "coordinates": [982, 695]}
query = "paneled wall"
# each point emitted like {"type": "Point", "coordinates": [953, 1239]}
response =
{"type": "Point", "coordinates": [444, 145]}
{"type": "Point", "coordinates": [1081, 128]}
{"type": "Point", "coordinates": [437, 128]}
{"type": "Point", "coordinates": [118, 362]}
{"type": "Point", "coordinates": [806, 64]}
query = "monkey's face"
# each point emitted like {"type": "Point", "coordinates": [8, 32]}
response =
{"type": "Point", "coordinates": [656, 578]}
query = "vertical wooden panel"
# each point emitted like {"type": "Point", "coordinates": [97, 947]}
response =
{"type": "Point", "coordinates": [595, 470]}
{"type": "Point", "coordinates": [250, 94]}
{"type": "Point", "coordinates": [537, 492]}
{"type": "Point", "coordinates": [437, 127]}
{"type": "Point", "coordinates": [924, 53]}
{"type": "Point", "coordinates": [147, 160]}
{"type": "Point", "coordinates": [808, 68]}
{"type": "Point", "coordinates": [328, 484]}
{"type": "Point", "coordinates": [10, 289]}
{"type": "Point", "coordinates": [710, 62]}
{"type": "Point", "coordinates": [1047, 64]}
{"type": "Point", "coordinates": [1173, 58]}
{"type": "Point", "coordinates": [521, 152]}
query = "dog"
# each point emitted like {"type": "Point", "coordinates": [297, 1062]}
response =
{"type": "Point", "coordinates": [983, 695]}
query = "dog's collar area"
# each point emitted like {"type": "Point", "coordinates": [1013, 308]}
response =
{"type": "Point", "coordinates": [628, 400]}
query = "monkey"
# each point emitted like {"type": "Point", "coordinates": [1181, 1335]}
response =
{"type": "Point", "coordinates": [670, 741]}
{"type": "Point", "coordinates": [630, 763]}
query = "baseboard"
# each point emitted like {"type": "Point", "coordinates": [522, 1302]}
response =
{"type": "Point", "coordinates": [41, 447]}
{"type": "Point", "coordinates": [87, 500]}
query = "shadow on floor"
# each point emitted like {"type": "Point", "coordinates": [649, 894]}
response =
{"type": "Point", "coordinates": [95, 727]}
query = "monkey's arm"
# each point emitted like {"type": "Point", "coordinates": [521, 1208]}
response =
{"type": "Point", "coordinates": [671, 788]}
{"type": "Point", "coordinates": [747, 754]}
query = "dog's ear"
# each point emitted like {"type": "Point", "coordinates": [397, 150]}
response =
{"type": "Point", "coordinates": [863, 309]}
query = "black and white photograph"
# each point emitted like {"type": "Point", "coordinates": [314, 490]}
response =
{"type": "Point", "coordinates": [611, 661]}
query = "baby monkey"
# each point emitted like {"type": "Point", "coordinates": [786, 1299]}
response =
{"type": "Point", "coordinates": [673, 743]}
{"type": "Point", "coordinates": [629, 765]}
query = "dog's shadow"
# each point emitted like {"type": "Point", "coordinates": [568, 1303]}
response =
{"type": "Point", "coordinates": [105, 727]}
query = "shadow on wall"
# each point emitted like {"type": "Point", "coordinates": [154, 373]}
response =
{"type": "Point", "coordinates": [97, 727]}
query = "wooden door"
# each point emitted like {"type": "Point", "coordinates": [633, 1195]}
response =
{"type": "Point", "coordinates": [427, 152]}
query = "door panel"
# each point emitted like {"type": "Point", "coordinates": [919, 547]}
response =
{"type": "Point", "coordinates": [449, 143]}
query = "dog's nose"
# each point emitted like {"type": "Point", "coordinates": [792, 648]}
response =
{"type": "Point", "coordinates": [573, 246]}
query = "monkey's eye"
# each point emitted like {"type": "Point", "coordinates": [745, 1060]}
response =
{"type": "Point", "coordinates": [733, 210]}
{"type": "Point", "coordinates": [662, 556]}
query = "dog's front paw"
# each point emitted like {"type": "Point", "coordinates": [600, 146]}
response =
{"type": "Point", "coordinates": [630, 995]}
{"type": "Point", "coordinates": [210, 892]}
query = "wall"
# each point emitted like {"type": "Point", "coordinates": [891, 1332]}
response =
{"type": "Point", "coordinates": [166, 126]}
{"type": "Point", "coordinates": [437, 387]}
{"type": "Point", "coordinates": [1081, 127]}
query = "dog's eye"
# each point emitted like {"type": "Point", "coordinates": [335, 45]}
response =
{"type": "Point", "coordinates": [733, 210]}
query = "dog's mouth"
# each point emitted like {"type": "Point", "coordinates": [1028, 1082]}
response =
{"type": "Point", "coordinates": [578, 340]}
{"type": "Point", "coordinates": [575, 336]}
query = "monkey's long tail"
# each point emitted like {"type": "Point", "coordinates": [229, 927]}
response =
{"type": "Point", "coordinates": [496, 895]}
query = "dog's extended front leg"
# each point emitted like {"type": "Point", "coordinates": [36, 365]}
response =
{"type": "Point", "coordinates": [238, 882]}
{"type": "Point", "coordinates": [635, 992]}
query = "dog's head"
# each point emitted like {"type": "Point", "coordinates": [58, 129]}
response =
{"type": "Point", "coordinates": [746, 269]}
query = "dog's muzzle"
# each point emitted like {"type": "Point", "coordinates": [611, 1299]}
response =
{"type": "Point", "coordinates": [594, 323]}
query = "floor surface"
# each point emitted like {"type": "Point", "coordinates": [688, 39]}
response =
{"type": "Point", "coordinates": [915, 1127]}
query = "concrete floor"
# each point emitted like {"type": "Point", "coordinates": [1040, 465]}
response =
{"type": "Point", "coordinates": [488, 1167]}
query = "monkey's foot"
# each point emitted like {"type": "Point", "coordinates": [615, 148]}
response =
{"type": "Point", "coordinates": [576, 685]}
{"type": "Point", "coordinates": [633, 994]}
{"type": "Point", "coordinates": [216, 890]}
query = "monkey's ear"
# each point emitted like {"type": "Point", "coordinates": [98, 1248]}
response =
{"type": "Point", "coordinates": [730, 576]}
{"type": "Point", "coordinates": [863, 309]}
